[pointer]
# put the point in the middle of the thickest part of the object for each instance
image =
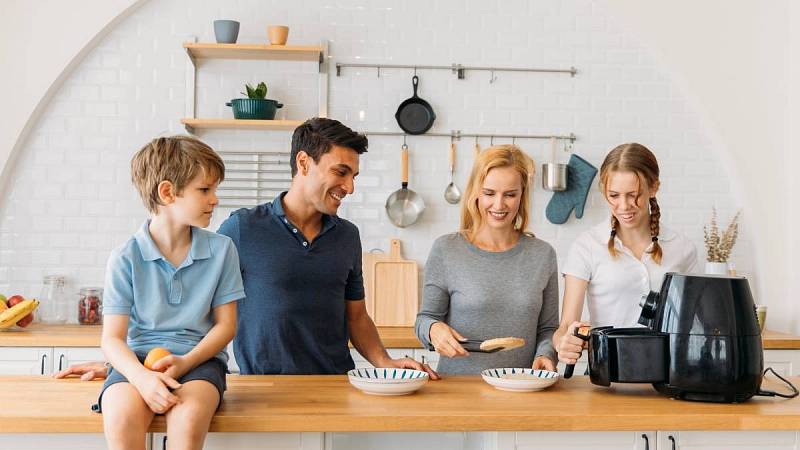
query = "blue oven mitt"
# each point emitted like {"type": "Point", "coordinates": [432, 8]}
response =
{"type": "Point", "coordinates": [579, 180]}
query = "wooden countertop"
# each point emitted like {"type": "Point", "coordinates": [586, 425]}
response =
{"type": "Point", "coordinates": [328, 403]}
{"type": "Point", "coordinates": [39, 335]}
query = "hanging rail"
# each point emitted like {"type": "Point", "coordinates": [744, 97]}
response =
{"type": "Point", "coordinates": [457, 135]}
{"type": "Point", "coordinates": [457, 69]}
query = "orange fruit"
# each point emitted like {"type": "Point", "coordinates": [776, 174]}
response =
{"type": "Point", "coordinates": [154, 355]}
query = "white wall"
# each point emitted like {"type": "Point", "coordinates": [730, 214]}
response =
{"type": "Point", "coordinates": [72, 170]}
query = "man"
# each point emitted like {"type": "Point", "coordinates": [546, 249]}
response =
{"type": "Point", "coordinates": [301, 266]}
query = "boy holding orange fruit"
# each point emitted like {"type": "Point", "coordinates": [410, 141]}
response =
{"type": "Point", "coordinates": [170, 302]}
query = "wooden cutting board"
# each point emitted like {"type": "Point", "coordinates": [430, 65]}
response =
{"type": "Point", "coordinates": [368, 260]}
{"type": "Point", "coordinates": [393, 288]}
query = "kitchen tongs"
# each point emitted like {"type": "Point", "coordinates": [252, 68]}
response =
{"type": "Point", "coordinates": [474, 346]}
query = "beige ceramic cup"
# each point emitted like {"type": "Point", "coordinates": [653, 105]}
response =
{"type": "Point", "coordinates": [277, 34]}
{"type": "Point", "coordinates": [761, 314]}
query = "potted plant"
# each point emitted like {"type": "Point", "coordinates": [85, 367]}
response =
{"type": "Point", "coordinates": [718, 247]}
{"type": "Point", "coordinates": [256, 106]}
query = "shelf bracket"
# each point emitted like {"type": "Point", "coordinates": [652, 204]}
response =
{"type": "Point", "coordinates": [191, 91]}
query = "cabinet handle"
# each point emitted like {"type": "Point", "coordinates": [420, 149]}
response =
{"type": "Point", "coordinates": [646, 442]}
{"type": "Point", "coordinates": [164, 443]}
{"type": "Point", "coordinates": [672, 439]}
{"type": "Point", "coordinates": [423, 359]}
{"type": "Point", "coordinates": [44, 359]}
{"type": "Point", "coordinates": [60, 362]}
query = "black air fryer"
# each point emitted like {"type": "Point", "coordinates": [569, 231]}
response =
{"type": "Point", "coordinates": [702, 342]}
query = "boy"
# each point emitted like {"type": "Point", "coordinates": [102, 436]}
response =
{"type": "Point", "coordinates": [172, 285]}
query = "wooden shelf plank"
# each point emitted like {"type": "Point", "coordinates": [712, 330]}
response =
{"type": "Point", "coordinates": [254, 51]}
{"type": "Point", "coordinates": [242, 124]}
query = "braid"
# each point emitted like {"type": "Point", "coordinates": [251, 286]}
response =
{"type": "Point", "coordinates": [655, 216]}
{"type": "Point", "coordinates": [612, 250]}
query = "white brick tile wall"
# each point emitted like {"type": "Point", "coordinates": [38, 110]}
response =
{"type": "Point", "coordinates": [70, 200]}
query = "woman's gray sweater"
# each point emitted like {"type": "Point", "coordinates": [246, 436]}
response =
{"type": "Point", "coordinates": [485, 295]}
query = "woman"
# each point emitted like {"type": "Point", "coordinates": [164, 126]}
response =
{"type": "Point", "coordinates": [493, 278]}
{"type": "Point", "coordinates": [615, 263]}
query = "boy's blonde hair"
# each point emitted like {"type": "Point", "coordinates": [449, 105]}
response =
{"type": "Point", "coordinates": [177, 159]}
{"type": "Point", "coordinates": [497, 156]}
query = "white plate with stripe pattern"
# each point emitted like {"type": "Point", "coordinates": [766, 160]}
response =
{"type": "Point", "coordinates": [519, 379]}
{"type": "Point", "coordinates": [387, 381]}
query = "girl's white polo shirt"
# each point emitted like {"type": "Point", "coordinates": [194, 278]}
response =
{"type": "Point", "coordinates": [616, 285]}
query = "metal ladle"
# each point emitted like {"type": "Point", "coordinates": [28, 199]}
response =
{"type": "Point", "coordinates": [451, 192]}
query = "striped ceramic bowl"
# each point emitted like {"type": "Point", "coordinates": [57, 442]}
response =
{"type": "Point", "coordinates": [387, 381]}
{"type": "Point", "coordinates": [519, 379]}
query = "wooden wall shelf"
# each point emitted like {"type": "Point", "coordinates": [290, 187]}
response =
{"type": "Point", "coordinates": [241, 124]}
{"type": "Point", "coordinates": [254, 51]}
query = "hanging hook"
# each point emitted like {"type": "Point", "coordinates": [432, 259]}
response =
{"type": "Point", "coordinates": [415, 71]}
{"type": "Point", "coordinates": [491, 141]}
{"type": "Point", "coordinates": [378, 69]}
{"type": "Point", "coordinates": [492, 77]}
{"type": "Point", "coordinates": [513, 140]}
{"type": "Point", "coordinates": [404, 139]}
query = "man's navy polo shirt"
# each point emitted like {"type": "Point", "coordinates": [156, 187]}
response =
{"type": "Point", "coordinates": [293, 319]}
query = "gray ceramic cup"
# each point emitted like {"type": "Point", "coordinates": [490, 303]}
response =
{"type": "Point", "coordinates": [226, 31]}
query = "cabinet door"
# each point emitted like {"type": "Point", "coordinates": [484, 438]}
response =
{"type": "Point", "coordinates": [26, 360]}
{"type": "Point", "coordinates": [785, 362]}
{"type": "Point", "coordinates": [47, 441]}
{"type": "Point", "coordinates": [578, 440]}
{"type": "Point", "coordinates": [255, 441]}
{"type": "Point", "coordinates": [405, 440]}
{"type": "Point", "coordinates": [727, 440]}
{"type": "Point", "coordinates": [64, 357]}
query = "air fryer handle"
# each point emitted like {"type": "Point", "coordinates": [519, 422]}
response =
{"type": "Point", "coordinates": [649, 304]}
{"type": "Point", "coordinates": [583, 333]}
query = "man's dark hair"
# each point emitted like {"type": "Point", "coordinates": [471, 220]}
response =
{"type": "Point", "coordinates": [316, 136]}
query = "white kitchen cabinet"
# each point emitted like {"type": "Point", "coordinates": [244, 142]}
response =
{"type": "Point", "coordinates": [427, 357]}
{"type": "Point", "coordinates": [577, 440]}
{"type": "Point", "coordinates": [727, 440]}
{"type": "Point", "coordinates": [64, 357]}
{"type": "Point", "coordinates": [362, 363]}
{"type": "Point", "coordinates": [26, 360]}
{"type": "Point", "coordinates": [59, 441]}
{"type": "Point", "coordinates": [405, 440]}
{"type": "Point", "coordinates": [785, 362]}
{"type": "Point", "coordinates": [255, 441]}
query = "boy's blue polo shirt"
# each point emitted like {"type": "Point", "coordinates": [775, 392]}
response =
{"type": "Point", "coordinates": [293, 320]}
{"type": "Point", "coordinates": [171, 307]}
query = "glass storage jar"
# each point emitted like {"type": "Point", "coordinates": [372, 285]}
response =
{"type": "Point", "coordinates": [90, 306]}
{"type": "Point", "coordinates": [53, 300]}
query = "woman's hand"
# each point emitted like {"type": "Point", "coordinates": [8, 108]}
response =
{"type": "Point", "coordinates": [446, 340]}
{"type": "Point", "coordinates": [570, 346]}
{"type": "Point", "coordinates": [544, 363]}
{"type": "Point", "coordinates": [154, 388]}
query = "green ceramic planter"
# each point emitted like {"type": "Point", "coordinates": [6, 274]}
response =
{"type": "Point", "coordinates": [254, 108]}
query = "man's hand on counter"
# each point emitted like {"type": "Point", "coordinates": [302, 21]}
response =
{"type": "Point", "coordinates": [93, 370]}
{"type": "Point", "coordinates": [409, 363]}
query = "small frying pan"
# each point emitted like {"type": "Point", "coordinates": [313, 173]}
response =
{"type": "Point", "coordinates": [415, 115]}
{"type": "Point", "coordinates": [404, 206]}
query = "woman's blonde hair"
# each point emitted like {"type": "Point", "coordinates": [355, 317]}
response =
{"type": "Point", "coordinates": [493, 157]}
{"type": "Point", "coordinates": [635, 158]}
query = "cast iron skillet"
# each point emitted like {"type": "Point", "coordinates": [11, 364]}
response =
{"type": "Point", "coordinates": [415, 115]}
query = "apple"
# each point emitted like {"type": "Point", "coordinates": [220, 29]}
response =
{"type": "Point", "coordinates": [25, 321]}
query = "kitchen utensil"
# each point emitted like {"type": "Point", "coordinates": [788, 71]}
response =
{"type": "Point", "coordinates": [519, 379]}
{"type": "Point", "coordinates": [395, 289]}
{"type": "Point", "coordinates": [254, 108]}
{"type": "Point", "coordinates": [226, 31]}
{"type": "Point", "coordinates": [491, 345]}
{"type": "Point", "coordinates": [451, 193]}
{"type": "Point", "coordinates": [415, 115]}
{"type": "Point", "coordinates": [368, 260]}
{"type": "Point", "coordinates": [277, 34]}
{"type": "Point", "coordinates": [701, 342]}
{"type": "Point", "coordinates": [404, 206]}
{"type": "Point", "coordinates": [477, 149]}
{"type": "Point", "coordinates": [387, 381]}
{"type": "Point", "coordinates": [554, 175]}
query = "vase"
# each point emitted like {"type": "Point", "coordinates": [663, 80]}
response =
{"type": "Point", "coordinates": [716, 268]}
{"type": "Point", "coordinates": [226, 31]}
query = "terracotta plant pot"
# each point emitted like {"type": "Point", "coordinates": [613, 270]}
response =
{"type": "Point", "coordinates": [277, 34]}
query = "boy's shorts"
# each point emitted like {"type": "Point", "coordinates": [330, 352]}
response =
{"type": "Point", "coordinates": [213, 371]}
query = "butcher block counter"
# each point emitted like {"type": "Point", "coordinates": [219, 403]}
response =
{"type": "Point", "coordinates": [38, 404]}
{"type": "Point", "coordinates": [39, 335]}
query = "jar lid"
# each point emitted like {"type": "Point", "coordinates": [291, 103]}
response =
{"type": "Point", "coordinates": [91, 291]}
{"type": "Point", "coordinates": [55, 279]}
